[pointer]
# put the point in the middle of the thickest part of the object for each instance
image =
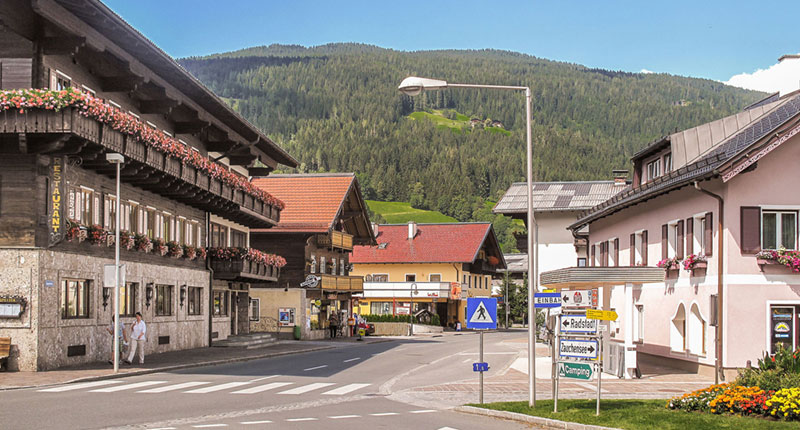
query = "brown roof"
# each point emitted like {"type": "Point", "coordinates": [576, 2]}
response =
{"type": "Point", "coordinates": [315, 202]}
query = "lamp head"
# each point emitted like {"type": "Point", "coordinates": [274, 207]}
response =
{"type": "Point", "coordinates": [414, 85]}
{"type": "Point", "coordinates": [115, 158]}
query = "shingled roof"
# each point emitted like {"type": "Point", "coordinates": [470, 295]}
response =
{"type": "Point", "coordinates": [556, 196]}
{"type": "Point", "coordinates": [707, 167]}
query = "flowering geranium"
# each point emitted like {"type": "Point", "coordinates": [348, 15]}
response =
{"type": "Point", "coordinates": [73, 230]}
{"type": "Point", "coordinates": [96, 234]}
{"type": "Point", "coordinates": [160, 246]}
{"type": "Point", "coordinates": [142, 243]}
{"type": "Point", "coordinates": [669, 263]}
{"type": "Point", "coordinates": [174, 249]}
{"type": "Point", "coordinates": [790, 259]}
{"type": "Point", "coordinates": [126, 239]}
{"type": "Point", "coordinates": [126, 123]}
{"type": "Point", "coordinates": [190, 252]}
{"type": "Point", "coordinates": [201, 253]}
{"type": "Point", "coordinates": [249, 254]}
{"type": "Point", "coordinates": [691, 260]}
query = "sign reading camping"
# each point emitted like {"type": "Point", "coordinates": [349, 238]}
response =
{"type": "Point", "coordinates": [581, 371]}
{"type": "Point", "coordinates": [578, 348]}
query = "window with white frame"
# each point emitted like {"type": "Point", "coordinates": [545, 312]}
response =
{"type": "Point", "coordinates": [667, 162]}
{"type": "Point", "coordinates": [699, 235]}
{"type": "Point", "coordinates": [653, 169]}
{"type": "Point", "coordinates": [677, 331]}
{"type": "Point", "coordinates": [638, 323]}
{"type": "Point", "coordinates": [435, 277]}
{"type": "Point", "coordinates": [697, 331]}
{"type": "Point", "coordinates": [639, 249]}
{"type": "Point", "coordinates": [778, 229]}
{"type": "Point", "coordinates": [613, 252]}
{"type": "Point", "coordinates": [672, 239]}
{"type": "Point", "coordinates": [255, 309]}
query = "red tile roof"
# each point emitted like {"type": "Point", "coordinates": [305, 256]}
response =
{"type": "Point", "coordinates": [434, 243]}
{"type": "Point", "coordinates": [312, 201]}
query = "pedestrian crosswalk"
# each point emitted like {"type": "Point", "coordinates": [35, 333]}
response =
{"type": "Point", "coordinates": [284, 388]}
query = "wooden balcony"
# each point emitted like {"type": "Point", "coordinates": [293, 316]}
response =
{"type": "Point", "coordinates": [243, 271]}
{"type": "Point", "coordinates": [336, 239]}
{"type": "Point", "coordinates": [353, 284]}
{"type": "Point", "coordinates": [86, 141]}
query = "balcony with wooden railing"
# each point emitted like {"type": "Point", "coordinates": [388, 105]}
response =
{"type": "Point", "coordinates": [353, 284]}
{"type": "Point", "coordinates": [336, 239]}
{"type": "Point", "coordinates": [243, 271]}
{"type": "Point", "coordinates": [68, 133]}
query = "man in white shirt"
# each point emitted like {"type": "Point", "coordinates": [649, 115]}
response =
{"type": "Point", "coordinates": [138, 338]}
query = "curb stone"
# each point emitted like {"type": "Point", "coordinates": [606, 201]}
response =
{"type": "Point", "coordinates": [545, 422]}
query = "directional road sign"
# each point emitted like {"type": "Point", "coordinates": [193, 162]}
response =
{"type": "Point", "coordinates": [480, 367]}
{"type": "Point", "coordinates": [577, 324]}
{"type": "Point", "coordinates": [481, 313]}
{"type": "Point", "coordinates": [575, 370]}
{"type": "Point", "coordinates": [601, 315]}
{"type": "Point", "coordinates": [579, 298]}
{"type": "Point", "coordinates": [547, 300]}
{"type": "Point", "coordinates": [578, 348]}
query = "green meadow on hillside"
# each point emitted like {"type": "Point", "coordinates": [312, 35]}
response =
{"type": "Point", "coordinates": [459, 124]}
{"type": "Point", "coordinates": [402, 212]}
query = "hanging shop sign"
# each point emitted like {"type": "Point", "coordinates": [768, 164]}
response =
{"type": "Point", "coordinates": [56, 200]}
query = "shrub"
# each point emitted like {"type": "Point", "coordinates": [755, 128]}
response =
{"type": "Point", "coordinates": [740, 400]}
{"type": "Point", "coordinates": [774, 372]}
{"type": "Point", "coordinates": [697, 400]}
{"type": "Point", "coordinates": [785, 403]}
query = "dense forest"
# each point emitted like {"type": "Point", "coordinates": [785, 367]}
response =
{"type": "Point", "coordinates": [336, 108]}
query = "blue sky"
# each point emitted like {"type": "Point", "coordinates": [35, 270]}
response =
{"type": "Point", "coordinates": [711, 39]}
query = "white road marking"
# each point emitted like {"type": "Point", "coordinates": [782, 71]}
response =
{"type": "Point", "coordinates": [127, 387]}
{"type": "Point", "coordinates": [220, 387]}
{"type": "Point", "coordinates": [204, 426]}
{"type": "Point", "coordinates": [315, 368]}
{"type": "Point", "coordinates": [307, 388]}
{"type": "Point", "coordinates": [266, 377]}
{"type": "Point", "coordinates": [261, 388]}
{"type": "Point", "coordinates": [345, 389]}
{"type": "Point", "coordinates": [71, 387]}
{"type": "Point", "coordinates": [467, 360]}
{"type": "Point", "coordinates": [423, 411]}
{"type": "Point", "coordinates": [339, 417]}
{"type": "Point", "coordinates": [486, 353]}
{"type": "Point", "coordinates": [590, 387]}
{"type": "Point", "coordinates": [294, 420]}
{"type": "Point", "coordinates": [164, 428]}
{"type": "Point", "coordinates": [352, 359]}
{"type": "Point", "coordinates": [384, 414]}
{"type": "Point", "coordinates": [447, 428]}
{"type": "Point", "coordinates": [247, 423]}
{"type": "Point", "coordinates": [173, 387]}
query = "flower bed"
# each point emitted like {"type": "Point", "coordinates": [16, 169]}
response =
{"type": "Point", "coordinates": [790, 259]}
{"type": "Point", "coordinates": [125, 123]}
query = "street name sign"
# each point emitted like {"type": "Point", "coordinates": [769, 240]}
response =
{"type": "Point", "coordinates": [482, 313]}
{"type": "Point", "coordinates": [595, 314]}
{"type": "Point", "coordinates": [575, 370]}
{"type": "Point", "coordinates": [577, 324]}
{"type": "Point", "coordinates": [480, 367]}
{"type": "Point", "coordinates": [547, 300]}
{"type": "Point", "coordinates": [578, 348]}
{"type": "Point", "coordinates": [577, 299]}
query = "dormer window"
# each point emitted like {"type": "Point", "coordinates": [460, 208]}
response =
{"type": "Point", "coordinates": [667, 162]}
{"type": "Point", "coordinates": [653, 169]}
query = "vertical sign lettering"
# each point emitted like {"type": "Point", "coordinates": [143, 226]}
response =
{"type": "Point", "coordinates": [56, 200]}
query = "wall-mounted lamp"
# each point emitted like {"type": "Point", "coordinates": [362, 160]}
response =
{"type": "Point", "coordinates": [183, 294]}
{"type": "Point", "coordinates": [148, 294]}
{"type": "Point", "coordinates": [106, 295]}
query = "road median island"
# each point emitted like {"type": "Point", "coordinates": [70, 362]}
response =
{"type": "Point", "coordinates": [619, 414]}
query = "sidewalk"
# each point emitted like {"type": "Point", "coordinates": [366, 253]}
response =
{"type": "Point", "coordinates": [172, 360]}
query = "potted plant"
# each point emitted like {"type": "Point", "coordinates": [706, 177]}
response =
{"type": "Point", "coordinates": [142, 243]}
{"type": "Point", "coordinates": [73, 231]}
{"type": "Point", "coordinates": [160, 246]}
{"type": "Point", "coordinates": [190, 252]}
{"type": "Point", "coordinates": [97, 235]}
{"type": "Point", "coordinates": [671, 266]}
{"type": "Point", "coordinates": [174, 249]}
{"type": "Point", "coordinates": [126, 240]}
{"type": "Point", "coordinates": [694, 263]}
{"type": "Point", "coordinates": [790, 259]}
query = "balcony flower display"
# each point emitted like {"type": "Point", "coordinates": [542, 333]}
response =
{"type": "Point", "coordinates": [693, 261]}
{"type": "Point", "coordinates": [73, 231]}
{"type": "Point", "coordinates": [249, 254]}
{"type": "Point", "coordinates": [782, 256]}
{"type": "Point", "coordinates": [126, 240]}
{"type": "Point", "coordinates": [142, 243]}
{"type": "Point", "coordinates": [160, 247]}
{"type": "Point", "coordinates": [669, 263]}
{"type": "Point", "coordinates": [96, 234]}
{"type": "Point", "coordinates": [174, 249]}
{"type": "Point", "coordinates": [124, 122]}
{"type": "Point", "coordinates": [190, 252]}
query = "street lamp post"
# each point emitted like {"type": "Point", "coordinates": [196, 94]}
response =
{"type": "Point", "coordinates": [413, 86]}
{"type": "Point", "coordinates": [412, 291]}
{"type": "Point", "coordinates": [118, 159]}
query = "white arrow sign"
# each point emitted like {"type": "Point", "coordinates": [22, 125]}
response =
{"type": "Point", "coordinates": [481, 315]}
{"type": "Point", "coordinates": [577, 324]}
{"type": "Point", "coordinates": [578, 348]}
{"type": "Point", "coordinates": [579, 298]}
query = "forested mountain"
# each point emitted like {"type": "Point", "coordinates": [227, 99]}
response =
{"type": "Point", "coordinates": [336, 108]}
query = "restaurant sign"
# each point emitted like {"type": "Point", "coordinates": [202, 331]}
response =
{"type": "Point", "coordinates": [56, 200]}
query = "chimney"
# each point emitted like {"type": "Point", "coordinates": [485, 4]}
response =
{"type": "Point", "coordinates": [620, 177]}
{"type": "Point", "coordinates": [412, 230]}
{"type": "Point", "coordinates": [375, 229]}
{"type": "Point", "coordinates": [792, 60]}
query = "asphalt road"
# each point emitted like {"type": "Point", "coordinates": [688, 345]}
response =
{"type": "Point", "coordinates": [355, 386]}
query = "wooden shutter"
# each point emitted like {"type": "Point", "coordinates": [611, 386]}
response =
{"type": "Point", "coordinates": [616, 252]}
{"type": "Point", "coordinates": [591, 258]}
{"type": "Point", "coordinates": [632, 250]}
{"type": "Point", "coordinates": [750, 233]}
{"type": "Point", "coordinates": [680, 239]}
{"type": "Point", "coordinates": [709, 235]}
{"type": "Point", "coordinates": [664, 241]}
{"type": "Point", "coordinates": [605, 254]}
{"type": "Point", "coordinates": [644, 248]}
{"type": "Point", "coordinates": [689, 236]}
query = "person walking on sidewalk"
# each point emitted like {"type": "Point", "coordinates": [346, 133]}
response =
{"type": "Point", "coordinates": [333, 324]}
{"type": "Point", "coordinates": [138, 338]}
{"type": "Point", "coordinates": [123, 339]}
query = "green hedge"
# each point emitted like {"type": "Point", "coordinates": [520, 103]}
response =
{"type": "Point", "coordinates": [398, 318]}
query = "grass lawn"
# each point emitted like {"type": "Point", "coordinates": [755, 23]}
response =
{"type": "Point", "coordinates": [402, 212]}
{"type": "Point", "coordinates": [461, 123]}
{"type": "Point", "coordinates": [637, 415]}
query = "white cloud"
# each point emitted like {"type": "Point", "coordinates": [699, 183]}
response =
{"type": "Point", "coordinates": [646, 72]}
{"type": "Point", "coordinates": [783, 76]}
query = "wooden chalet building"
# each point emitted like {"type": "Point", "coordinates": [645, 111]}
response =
{"type": "Point", "coordinates": [325, 216]}
{"type": "Point", "coordinates": [78, 83]}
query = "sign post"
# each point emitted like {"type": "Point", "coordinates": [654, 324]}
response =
{"type": "Point", "coordinates": [579, 343]}
{"type": "Point", "coordinates": [481, 315]}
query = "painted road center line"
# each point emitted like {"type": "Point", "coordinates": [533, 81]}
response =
{"type": "Point", "coordinates": [127, 387]}
{"type": "Point", "coordinates": [422, 411]}
{"type": "Point", "coordinates": [78, 386]}
{"type": "Point", "coordinates": [261, 388]}
{"type": "Point", "coordinates": [173, 387]}
{"type": "Point", "coordinates": [384, 414]}
{"type": "Point", "coordinates": [315, 368]}
{"type": "Point", "coordinates": [352, 359]}
{"type": "Point", "coordinates": [294, 420]}
{"type": "Point", "coordinates": [220, 387]}
{"type": "Point", "coordinates": [307, 388]}
{"type": "Point", "coordinates": [345, 389]}
{"type": "Point", "coordinates": [205, 426]}
{"type": "Point", "coordinates": [247, 423]}
{"type": "Point", "coordinates": [341, 417]}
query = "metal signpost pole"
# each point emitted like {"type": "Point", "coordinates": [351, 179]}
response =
{"type": "Point", "coordinates": [117, 159]}
{"type": "Point", "coordinates": [480, 359]}
{"type": "Point", "coordinates": [599, 370]}
{"type": "Point", "coordinates": [555, 383]}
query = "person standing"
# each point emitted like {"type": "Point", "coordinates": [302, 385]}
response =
{"type": "Point", "coordinates": [333, 324]}
{"type": "Point", "coordinates": [123, 339]}
{"type": "Point", "coordinates": [138, 338]}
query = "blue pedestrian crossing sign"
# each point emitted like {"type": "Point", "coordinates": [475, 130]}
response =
{"type": "Point", "coordinates": [482, 313]}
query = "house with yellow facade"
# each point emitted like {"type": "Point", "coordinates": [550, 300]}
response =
{"type": "Point", "coordinates": [427, 267]}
